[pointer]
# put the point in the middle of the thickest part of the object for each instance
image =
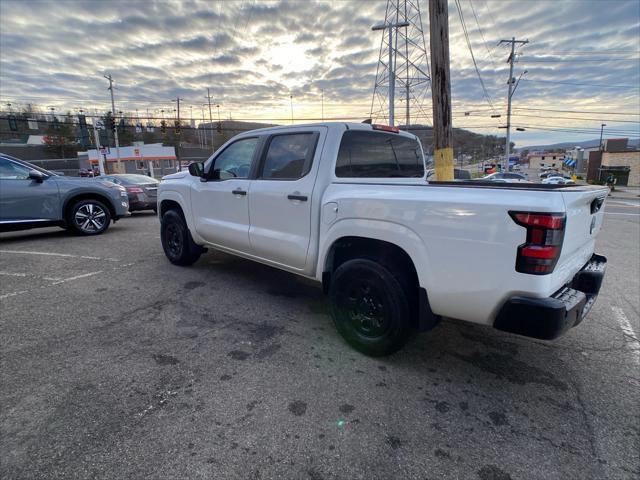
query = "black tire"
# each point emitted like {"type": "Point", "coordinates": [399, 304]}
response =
{"type": "Point", "coordinates": [177, 243]}
{"type": "Point", "coordinates": [370, 308]}
{"type": "Point", "coordinates": [88, 217]}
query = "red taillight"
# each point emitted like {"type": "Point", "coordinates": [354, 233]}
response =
{"type": "Point", "coordinates": [545, 233]}
{"type": "Point", "coordinates": [552, 221]}
{"type": "Point", "coordinates": [385, 128]}
{"type": "Point", "coordinates": [134, 189]}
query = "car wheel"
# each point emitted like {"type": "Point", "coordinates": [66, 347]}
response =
{"type": "Point", "coordinates": [89, 217]}
{"type": "Point", "coordinates": [177, 243]}
{"type": "Point", "coordinates": [370, 308]}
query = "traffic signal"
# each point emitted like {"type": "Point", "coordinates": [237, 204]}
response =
{"type": "Point", "coordinates": [177, 127]}
{"type": "Point", "coordinates": [111, 124]}
{"type": "Point", "coordinates": [13, 123]}
{"type": "Point", "coordinates": [121, 126]}
{"type": "Point", "coordinates": [163, 127]}
{"type": "Point", "coordinates": [219, 127]}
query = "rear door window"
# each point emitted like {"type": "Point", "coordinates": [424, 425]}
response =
{"type": "Point", "coordinates": [289, 156]}
{"type": "Point", "coordinates": [368, 154]}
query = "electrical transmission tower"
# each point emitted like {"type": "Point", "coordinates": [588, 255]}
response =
{"type": "Point", "coordinates": [402, 75]}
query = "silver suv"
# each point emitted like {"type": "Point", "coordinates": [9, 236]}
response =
{"type": "Point", "coordinates": [32, 197]}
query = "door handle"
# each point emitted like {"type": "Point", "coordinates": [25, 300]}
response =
{"type": "Point", "coordinates": [302, 198]}
{"type": "Point", "coordinates": [237, 191]}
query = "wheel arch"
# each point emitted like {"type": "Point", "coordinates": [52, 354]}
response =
{"type": "Point", "coordinates": [73, 199]}
{"type": "Point", "coordinates": [398, 250]}
{"type": "Point", "coordinates": [369, 234]}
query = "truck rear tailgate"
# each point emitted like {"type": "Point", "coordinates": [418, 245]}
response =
{"type": "Point", "coordinates": [585, 212]}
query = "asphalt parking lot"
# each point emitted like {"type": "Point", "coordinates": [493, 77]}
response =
{"type": "Point", "coordinates": [116, 364]}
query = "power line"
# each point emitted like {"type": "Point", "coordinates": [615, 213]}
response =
{"type": "Point", "coordinates": [575, 111]}
{"type": "Point", "coordinates": [576, 118]}
{"type": "Point", "coordinates": [491, 55]}
{"type": "Point", "coordinates": [582, 60]}
{"type": "Point", "coordinates": [581, 84]}
{"type": "Point", "coordinates": [592, 52]}
{"type": "Point", "coordinates": [466, 36]}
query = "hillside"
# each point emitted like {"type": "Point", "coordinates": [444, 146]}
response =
{"type": "Point", "coordinates": [464, 141]}
{"type": "Point", "coordinates": [568, 145]}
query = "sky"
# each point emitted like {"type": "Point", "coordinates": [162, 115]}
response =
{"type": "Point", "coordinates": [263, 59]}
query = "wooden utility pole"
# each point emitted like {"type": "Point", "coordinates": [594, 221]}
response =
{"type": "Point", "coordinates": [512, 88]}
{"type": "Point", "coordinates": [441, 90]}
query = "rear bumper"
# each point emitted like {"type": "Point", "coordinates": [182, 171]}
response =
{"type": "Point", "coordinates": [142, 202]}
{"type": "Point", "coordinates": [549, 318]}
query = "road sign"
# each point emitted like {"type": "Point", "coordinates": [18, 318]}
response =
{"type": "Point", "coordinates": [104, 150]}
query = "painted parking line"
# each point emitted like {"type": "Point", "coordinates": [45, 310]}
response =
{"type": "Point", "coordinates": [12, 294]}
{"type": "Point", "coordinates": [31, 275]}
{"type": "Point", "coordinates": [84, 275]}
{"type": "Point", "coordinates": [617, 213]}
{"type": "Point", "coordinates": [64, 280]}
{"type": "Point", "coordinates": [626, 327]}
{"type": "Point", "coordinates": [51, 254]}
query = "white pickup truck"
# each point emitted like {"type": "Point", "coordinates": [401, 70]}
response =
{"type": "Point", "coordinates": [349, 206]}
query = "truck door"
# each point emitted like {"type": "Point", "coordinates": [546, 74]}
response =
{"type": "Point", "coordinates": [220, 204]}
{"type": "Point", "coordinates": [280, 198]}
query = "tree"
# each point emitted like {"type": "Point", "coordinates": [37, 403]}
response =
{"type": "Point", "coordinates": [60, 137]}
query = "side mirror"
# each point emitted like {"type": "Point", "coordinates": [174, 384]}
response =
{"type": "Point", "coordinates": [36, 176]}
{"type": "Point", "coordinates": [196, 169]}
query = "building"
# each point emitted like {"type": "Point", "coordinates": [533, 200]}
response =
{"type": "Point", "coordinates": [621, 162]}
{"type": "Point", "coordinates": [578, 159]}
{"type": "Point", "coordinates": [538, 160]}
{"type": "Point", "coordinates": [615, 159]}
{"type": "Point", "coordinates": [154, 159]}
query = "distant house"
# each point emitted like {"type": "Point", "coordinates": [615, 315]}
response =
{"type": "Point", "coordinates": [538, 160]}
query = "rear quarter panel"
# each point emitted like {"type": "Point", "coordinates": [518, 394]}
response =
{"type": "Point", "coordinates": [462, 240]}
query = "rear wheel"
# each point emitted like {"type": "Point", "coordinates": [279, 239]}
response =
{"type": "Point", "coordinates": [89, 217]}
{"type": "Point", "coordinates": [177, 243]}
{"type": "Point", "coordinates": [370, 308]}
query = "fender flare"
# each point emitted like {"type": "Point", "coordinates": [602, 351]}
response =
{"type": "Point", "coordinates": [179, 198]}
{"type": "Point", "coordinates": [390, 232]}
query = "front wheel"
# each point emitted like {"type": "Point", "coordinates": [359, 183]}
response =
{"type": "Point", "coordinates": [369, 307]}
{"type": "Point", "coordinates": [89, 217]}
{"type": "Point", "coordinates": [177, 243]}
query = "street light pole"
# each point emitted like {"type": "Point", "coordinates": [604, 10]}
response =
{"type": "Point", "coordinates": [601, 131]}
{"type": "Point", "coordinates": [113, 109]}
{"type": "Point", "coordinates": [391, 66]}
{"type": "Point", "coordinates": [208, 97]}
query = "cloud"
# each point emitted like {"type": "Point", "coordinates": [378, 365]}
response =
{"type": "Point", "coordinates": [255, 54]}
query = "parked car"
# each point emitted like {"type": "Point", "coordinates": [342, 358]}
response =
{"type": "Point", "coordinates": [33, 197]}
{"type": "Point", "coordinates": [348, 205]}
{"type": "Point", "coordinates": [142, 190]}
{"type": "Point", "coordinates": [458, 174]}
{"type": "Point", "coordinates": [88, 172]}
{"type": "Point", "coordinates": [505, 177]}
{"type": "Point", "coordinates": [559, 180]}
{"type": "Point", "coordinates": [549, 173]}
